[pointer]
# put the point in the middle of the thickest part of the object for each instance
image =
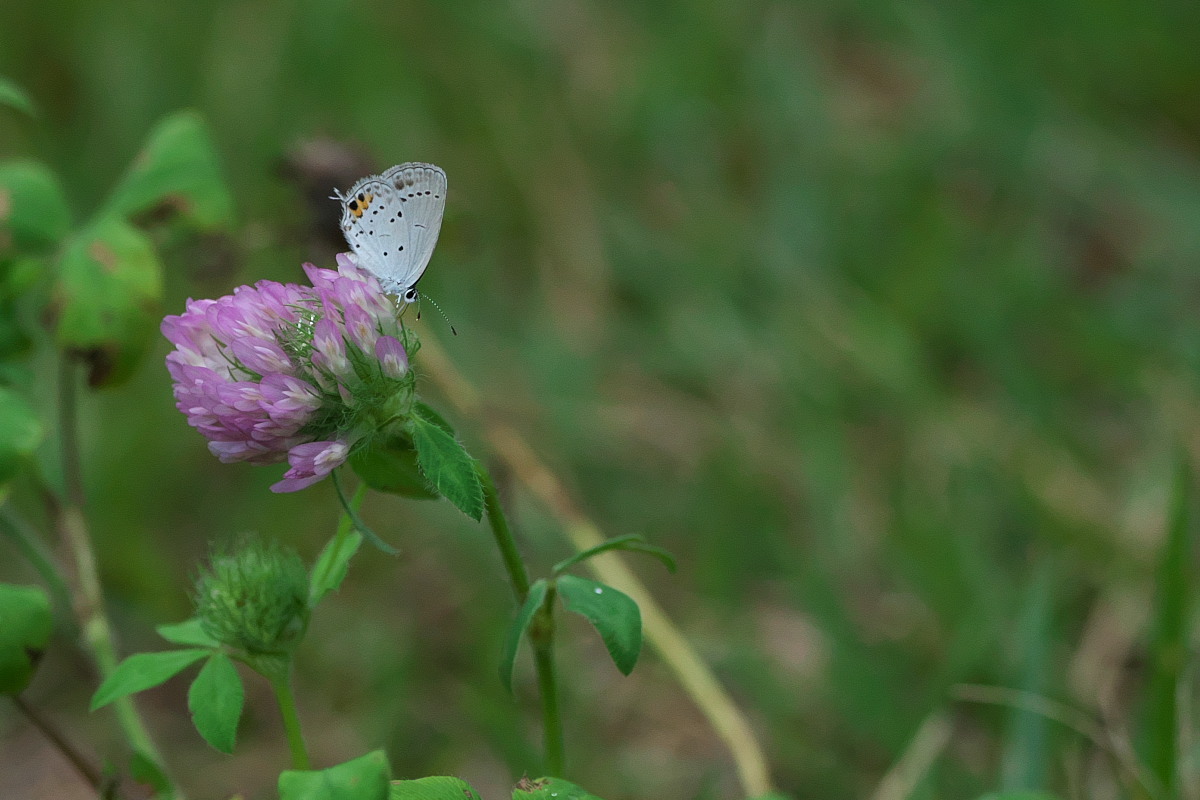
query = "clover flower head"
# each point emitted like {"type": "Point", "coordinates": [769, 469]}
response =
{"type": "Point", "coordinates": [283, 372]}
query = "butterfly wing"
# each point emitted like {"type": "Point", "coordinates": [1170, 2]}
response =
{"type": "Point", "coordinates": [392, 221]}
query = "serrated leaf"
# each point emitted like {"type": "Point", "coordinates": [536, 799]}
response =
{"type": "Point", "coordinates": [177, 171]}
{"type": "Point", "coordinates": [142, 671]}
{"type": "Point", "coordinates": [448, 467]}
{"type": "Point", "coordinates": [108, 298]}
{"type": "Point", "coordinates": [14, 96]}
{"type": "Point", "coordinates": [25, 625]}
{"type": "Point", "coordinates": [427, 413]}
{"type": "Point", "coordinates": [391, 466]}
{"type": "Point", "coordinates": [21, 431]}
{"type": "Point", "coordinates": [364, 778]}
{"type": "Point", "coordinates": [188, 632]}
{"type": "Point", "coordinates": [215, 699]}
{"type": "Point", "coordinates": [516, 631]}
{"type": "Point", "coordinates": [437, 787]}
{"type": "Point", "coordinates": [550, 789]}
{"type": "Point", "coordinates": [614, 615]}
{"type": "Point", "coordinates": [34, 216]}
{"type": "Point", "coordinates": [631, 542]}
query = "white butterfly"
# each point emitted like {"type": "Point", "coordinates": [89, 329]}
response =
{"type": "Point", "coordinates": [391, 222]}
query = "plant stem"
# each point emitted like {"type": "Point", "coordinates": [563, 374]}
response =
{"type": "Point", "coordinates": [291, 721]}
{"type": "Point", "coordinates": [78, 760]}
{"type": "Point", "coordinates": [88, 597]}
{"type": "Point", "coordinates": [541, 633]}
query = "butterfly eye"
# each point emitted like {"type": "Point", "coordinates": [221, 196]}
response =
{"type": "Point", "coordinates": [410, 295]}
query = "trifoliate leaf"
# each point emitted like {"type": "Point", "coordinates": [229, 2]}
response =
{"type": "Point", "coordinates": [550, 789]}
{"type": "Point", "coordinates": [448, 467]}
{"type": "Point", "coordinates": [390, 465]}
{"type": "Point", "coordinates": [215, 699]}
{"type": "Point", "coordinates": [614, 614]}
{"type": "Point", "coordinates": [364, 778]}
{"type": "Point", "coordinates": [176, 171]}
{"type": "Point", "coordinates": [107, 298]}
{"type": "Point", "coordinates": [25, 625]}
{"type": "Point", "coordinates": [21, 432]}
{"type": "Point", "coordinates": [144, 670]}
{"type": "Point", "coordinates": [34, 216]}
{"type": "Point", "coordinates": [437, 787]}
{"type": "Point", "coordinates": [516, 631]}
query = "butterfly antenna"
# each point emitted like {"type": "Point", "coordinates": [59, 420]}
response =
{"type": "Point", "coordinates": [433, 303]}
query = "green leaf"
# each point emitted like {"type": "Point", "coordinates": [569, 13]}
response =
{"type": "Point", "coordinates": [20, 433]}
{"type": "Point", "coordinates": [1019, 794]}
{"type": "Point", "coordinates": [390, 466]}
{"type": "Point", "coordinates": [512, 641]}
{"type": "Point", "coordinates": [144, 670]}
{"type": "Point", "coordinates": [614, 614]}
{"type": "Point", "coordinates": [334, 562]}
{"type": "Point", "coordinates": [433, 788]}
{"type": "Point", "coordinates": [1170, 635]}
{"type": "Point", "coordinates": [550, 789]}
{"type": "Point", "coordinates": [188, 632]}
{"type": "Point", "coordinates": [34, 216]}
{"type": "Point", "coordinates": [364, 778]}
{"type": "Point", "coordinates": [108, 297]}
{"type": "Point", "coordinates": [427, 413]}
{"type": "Point", "coordinates": [215, 699]}
{"type": "Point", "coordinates": [25, 625]}
{"type": "Point", "coordinates": [631, 542]}
{"type": "Point", "coordinates": [448, 467]}
{"type": "Point", "coordinates": [145, 769]}
{"type": "Point", "coordinates": [176, 171]}
{"type": "Point", "coordinates": [14, 96]}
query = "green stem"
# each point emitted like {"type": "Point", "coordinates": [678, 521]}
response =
{"type": "Point", "coordinates": [291, 721]}
{"type": "Point", "coordinates": [541, 632]}
{"type": "Point", "coordinates": [88, 594]}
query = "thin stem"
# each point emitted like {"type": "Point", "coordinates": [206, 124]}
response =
{"type": "Point", "coordinates": [541, 633]}
{"type": "Point", "coordinates": [291, 721]}
{"type": "Point", "coordinates": [26, 539]}
{"type": "Point", "coordinates": [517, 573]}
{"type": "Point", "coordinates": [80, 762]}
{"type": "Point", "coordinates": [88, 597]}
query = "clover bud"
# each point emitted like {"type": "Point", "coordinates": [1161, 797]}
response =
{"type": "Point", "coordinates": [253, 597]}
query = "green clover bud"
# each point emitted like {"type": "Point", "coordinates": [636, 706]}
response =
{"type": "Point", "coordinates": [253, 597]}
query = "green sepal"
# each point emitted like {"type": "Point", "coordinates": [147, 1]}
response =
{"type": "Point", "coordinates": [25, 626]}
{"type": "Point", "coordinates": [614, 614]}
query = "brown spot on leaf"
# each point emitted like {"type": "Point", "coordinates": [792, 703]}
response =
{"type": "Point", "coordinates": [103, 255]}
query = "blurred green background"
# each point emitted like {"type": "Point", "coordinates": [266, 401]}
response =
{"type": "Point", "coordinates": [881, 317]}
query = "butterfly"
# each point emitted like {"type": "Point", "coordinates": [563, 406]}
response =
{"type": "Point", "coordinates": [391, 222]}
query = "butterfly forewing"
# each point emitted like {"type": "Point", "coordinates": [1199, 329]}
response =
{"type": "Point", "coordinates": [391, 222]}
